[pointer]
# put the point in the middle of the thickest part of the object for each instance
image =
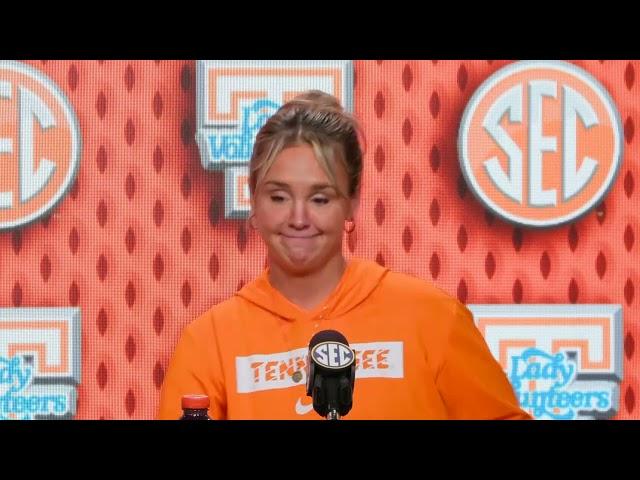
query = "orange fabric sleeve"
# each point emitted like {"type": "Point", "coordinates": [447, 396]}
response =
{"type": "Point", "coordinates": [470, 380]}
{"type": "Point", "coordinates": [195, 367]}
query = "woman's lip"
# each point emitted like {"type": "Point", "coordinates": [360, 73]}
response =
{"type": "Point", "coordinates": [295, 236]}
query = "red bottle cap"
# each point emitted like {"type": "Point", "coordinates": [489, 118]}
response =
{"type": "Point", "coordinates": [195, 401]}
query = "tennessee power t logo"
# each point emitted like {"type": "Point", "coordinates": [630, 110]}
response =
{"type": "Point", "coordinates": [40, 362]}
{"type": "Point", "coordinates": [540, 143]}
{"type": "Point", "coordinates": [564, 361]}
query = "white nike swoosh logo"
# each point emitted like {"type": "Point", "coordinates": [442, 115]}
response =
{"type": "Point", "coordinates": [302, 409]}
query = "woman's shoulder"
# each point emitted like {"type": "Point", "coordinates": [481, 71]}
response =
{"type": "Point", "coordinates": [413, 299]}
{"type": "Point", "coordinates": [394, 289]}
{"type": "Point", "coordinates": [208, 320]}
{"type": "Point", "coordinates": [410, 287]}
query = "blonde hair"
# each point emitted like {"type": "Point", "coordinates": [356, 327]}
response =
{"type": "Point", "coordinates": [316, 119]}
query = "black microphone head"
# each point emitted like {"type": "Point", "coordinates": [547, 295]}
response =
{"type": "Point", "coordinates": [331, 372]}
{"type": "Point", "coordinates": [327, 336]}
{"type": "Point", "coordinates": [330, 350]}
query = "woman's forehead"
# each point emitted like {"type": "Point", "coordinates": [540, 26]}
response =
{"type": "Point", "coordinates": [300, 163]}
{"type": "Point", "coordinates": [299, 160]}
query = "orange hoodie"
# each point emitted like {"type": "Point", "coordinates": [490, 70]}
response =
{"type": "Point", "coordinates": [418, 353]}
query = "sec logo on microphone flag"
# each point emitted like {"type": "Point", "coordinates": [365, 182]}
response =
{"type": "Point", "coordinates": [332, 355]}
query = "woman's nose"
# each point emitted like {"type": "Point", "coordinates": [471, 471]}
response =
{"type": "Point", "coordinates": [298, 216]}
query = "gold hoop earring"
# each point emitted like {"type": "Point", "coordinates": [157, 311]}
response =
{"type": "Point", "coordinates": [349, 226]}
{"type": "Point", "coordinates": [251, 226]}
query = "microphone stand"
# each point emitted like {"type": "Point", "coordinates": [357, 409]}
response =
{"type": "Point", "coordinates": [333, 415]}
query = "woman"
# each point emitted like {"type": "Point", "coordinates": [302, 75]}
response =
{"type": "Point", "coordinates": [418, 352]}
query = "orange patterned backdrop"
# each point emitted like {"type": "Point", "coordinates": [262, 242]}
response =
{"type": "Point", "coordinates": [141, 244]}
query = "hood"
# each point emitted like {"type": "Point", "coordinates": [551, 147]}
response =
{"type": "Point", "coordinates": [359, 280]}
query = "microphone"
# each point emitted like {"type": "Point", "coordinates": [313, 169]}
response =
{"type": "Point", "coordinates": [331, 374]}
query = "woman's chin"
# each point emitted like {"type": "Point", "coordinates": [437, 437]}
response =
{"type": "Point", "coordinates": [301, 262]}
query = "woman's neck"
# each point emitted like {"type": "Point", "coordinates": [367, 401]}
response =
{"type": "Point", "coordinates": [308, 291]}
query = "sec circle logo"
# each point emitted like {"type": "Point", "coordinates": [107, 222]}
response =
{"type": "Point", "coordinates": [540, 143]}
{"type": "Point", "coordinates": [40, 144]}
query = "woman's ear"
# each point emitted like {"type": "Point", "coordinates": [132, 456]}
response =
{"type": "Point", "coordinates": [354, 206]}
{"type": "Point", "coordinates": [252, 213]}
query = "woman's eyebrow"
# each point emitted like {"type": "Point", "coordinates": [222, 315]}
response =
{"type": "Point", "coordinates": [322, 186]}
{"type": "Point", "coordinates": [284, 185]}
{"type": "Point", "coordinates": [275, 183]}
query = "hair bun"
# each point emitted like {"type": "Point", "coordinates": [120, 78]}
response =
{"type": "Point", "coordinates": [319, 99]}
